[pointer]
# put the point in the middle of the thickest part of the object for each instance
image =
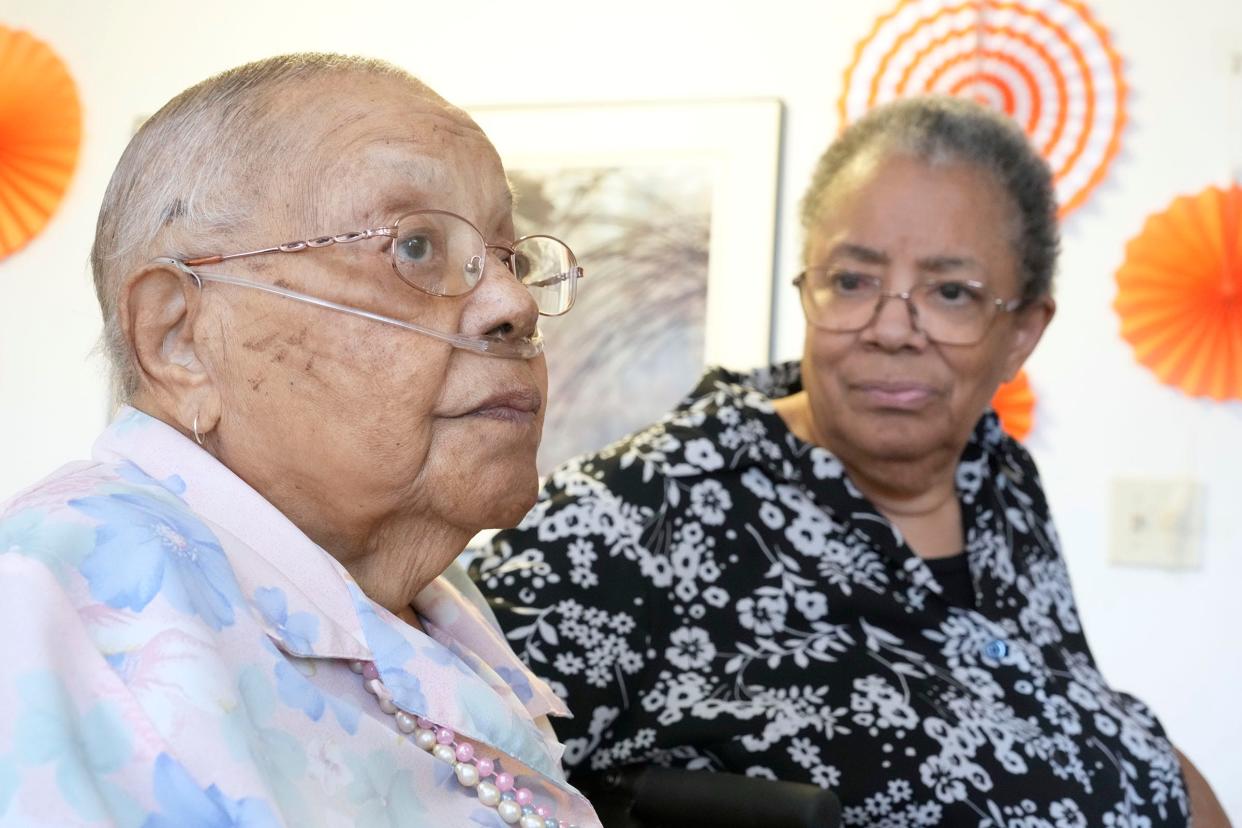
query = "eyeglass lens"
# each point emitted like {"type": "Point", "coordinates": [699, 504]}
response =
{"type": "Point", "coordinates": [445, 255]}
{"type": "Point", "coordinates": [950, 312]}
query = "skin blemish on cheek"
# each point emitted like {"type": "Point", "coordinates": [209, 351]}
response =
{"type": "Point", "coordinates": [296, 339]}
{"type": "Point", "coordinates": [282, 283]}
{"type": "Point", "coordinates": [260, 344]}
{"type": "Point", "coordinates": [279, 356]}
{"type": "Point", "coordinates": [256, 382]}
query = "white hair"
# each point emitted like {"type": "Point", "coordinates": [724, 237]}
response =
{"type": "Point", "coordinates": [199, 170]}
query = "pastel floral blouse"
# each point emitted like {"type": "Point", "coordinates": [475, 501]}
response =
{"type": "Point", "coordinates": [714, 593]}
{"type": "Point", "coordinates": [176, 653]}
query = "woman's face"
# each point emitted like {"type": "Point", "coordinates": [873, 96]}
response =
{"type": "Point", "coordinates": [887, 393]}
{"type": "Point", "coordinates": [350, 426]}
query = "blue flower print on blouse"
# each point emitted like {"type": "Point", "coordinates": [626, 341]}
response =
{"type": "Point", "coordinates": [296, 691]}
{"type": "Point", "coordinates": [517, 682]}
{"type": "Point", "coordinates": [391, 651]}
{"type": "Point", "coordinates": [60, 545]}
{"type": "Point", "coordinates": [384, 793]}
{"type": "Point", "coordinates": [173, 483]}
{"type": "Point", "coordinates": [83, 749]}
{"type": "Point", "coordinates": [253, 733]}
{"type": "Point", "coordinates": [184, 805]}
{"type": "Point", "coordinates": [131, 419]}
{"type": "Point", "coordinates": [145, 546]}
{"type": "Point", "coordinates": [298, 631]}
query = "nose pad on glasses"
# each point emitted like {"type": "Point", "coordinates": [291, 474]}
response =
{"type": "Point", "coordinates": [912, 310]}
{"type": "Point", "coordinates": [473, 271]}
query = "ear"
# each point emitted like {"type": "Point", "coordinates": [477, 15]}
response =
{"type": "Point", "coordinates": [158, 307]}
{"type": "Point", "coordinates": [1030, 322]}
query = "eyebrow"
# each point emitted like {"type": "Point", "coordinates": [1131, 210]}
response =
{"type": "Point", "coordinates": [415, 198]}
{"type": "Point", "coordinates": [931, 264]}
{"type": "Point", "coordinates": [858, 252]}
{"type": "Point", "coordinates": [508, 200]}
{"type": "Point", "coordinates": [943, 264]}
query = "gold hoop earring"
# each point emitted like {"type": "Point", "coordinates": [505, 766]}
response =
{"type": "Point", "coordinates": [198, 437]}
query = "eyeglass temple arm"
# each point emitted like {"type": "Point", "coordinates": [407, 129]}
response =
{"type": "Point", "coordinates": [297, 246]}
{"type": "Point", "coordinates": [525, 348]}
{"type": "Point", "coordinates": [575, 272]}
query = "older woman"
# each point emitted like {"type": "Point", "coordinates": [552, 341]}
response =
{"type": "Point", "coordinates": [234, 614]}
{"type": "Point", "coordinates": [843, 572]}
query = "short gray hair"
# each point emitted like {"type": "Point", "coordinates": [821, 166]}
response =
{"type": "Point", "coordinates": [939, 129]}
{"type": "Point", "coordinates": [197, 169]}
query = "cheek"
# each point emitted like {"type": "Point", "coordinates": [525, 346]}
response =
{"type": "Point", "coordinates": [976, 372]}
{"type": "Point", "coordinates": [539, 368]}
{"type": "Point", "coordinates": [391, 389]}
{"type": "Point", "coordinates": [358, 385]}
{"type": "Point", "coordinates": [822, 356]}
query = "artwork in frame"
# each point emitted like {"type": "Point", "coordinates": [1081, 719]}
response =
{"type": "Point", "coordinates": [671, 210]}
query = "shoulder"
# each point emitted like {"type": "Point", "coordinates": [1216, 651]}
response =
{"type": "Point", "coordinates": [117, 538]}
{"type": "Point", "coordinates": [723, 422]}
{"type": "Point", "coordinates": [608, 514]}
{"type": "Point", "coordinates": [44, 522]}
{"type": "Point", "coordinates": [1015, 471]}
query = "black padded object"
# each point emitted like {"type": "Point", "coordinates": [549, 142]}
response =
{"type": "Point", "coordinates": [655, 797]}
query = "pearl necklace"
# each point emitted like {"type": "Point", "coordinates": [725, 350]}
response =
{"type": "Point", "coordinates": [515, 806]}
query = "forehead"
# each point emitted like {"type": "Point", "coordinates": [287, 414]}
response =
{"type": "Point", "coordinates": [386, 149]}
{"type": "Point", "coordinates": [904, 206]}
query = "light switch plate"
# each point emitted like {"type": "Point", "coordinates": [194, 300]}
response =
{"type": "Point", "coordinates": [1156, 522]}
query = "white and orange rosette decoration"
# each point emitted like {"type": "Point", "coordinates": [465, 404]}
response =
{"type": "Point", "coordinates": [1046, 63]}
{"type": "Point", "coordinates": [1014, 403]}
{"type": "Point", "coordinates": [40, 132]}
{"type": "Point", "coordinates": [1179, 294]}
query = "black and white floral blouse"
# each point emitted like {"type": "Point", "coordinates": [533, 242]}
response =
{"type": "Point", "coordinates": [714, 593]}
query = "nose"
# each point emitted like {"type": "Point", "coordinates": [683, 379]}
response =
{"type": "Point", "coordinates": [500, 305]}
{"type": "Point", "coordinates": [895, 324]}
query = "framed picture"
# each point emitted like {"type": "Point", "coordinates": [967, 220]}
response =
{"type": "Point", "coordinates": [671, 210]}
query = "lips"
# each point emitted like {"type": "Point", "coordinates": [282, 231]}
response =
{"type": "Point", "coordinates": [517, 405]}
{"type": "Point", "coordinates": [896, 394]}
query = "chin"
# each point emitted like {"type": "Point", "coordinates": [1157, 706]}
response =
{"type": "Point", "coordinates": [509, 514]}
{"type": "Point", "coordinates": [899, 439]}
{"type": "Point", "coordinates": [508, 505]}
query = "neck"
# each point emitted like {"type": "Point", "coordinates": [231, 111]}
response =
{"type": "Point", "coordinates": [394, 564]}
{"type": "Point", "coordinates": [391, 559]}
{"type": "Point", "coordinates": [918, 494]}
{"type": "Point", "coordinates": [903, 489]}
{"type": "Point", "coordinates": [392, 555]}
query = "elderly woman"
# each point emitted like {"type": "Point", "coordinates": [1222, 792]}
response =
{"type": "Point", "coordinates": [235, 613]}
{"type": "Point", "coordinates": [843, 572]}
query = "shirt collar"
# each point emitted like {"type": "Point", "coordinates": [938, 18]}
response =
{"type": "Point", "coordinates": [287, 579]}
{"type": "Point", "coordinates": [753, 434]}
{"type": "Point", "coordinates": [282, 555]}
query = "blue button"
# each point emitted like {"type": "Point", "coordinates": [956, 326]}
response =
{"type": "Point", "coordinates": [996, 649]}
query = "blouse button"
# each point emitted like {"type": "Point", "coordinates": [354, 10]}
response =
{"type": "Point", "coordinates": [996, 649]}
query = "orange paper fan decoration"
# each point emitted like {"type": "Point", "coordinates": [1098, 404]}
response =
{"type": "Point", "coordinates": [1014, 403]}
{"type": "Point", "coordinates": [40, 130]}
{"type": "Point", "coordinates": [1046, 63]}
{"type": "Point", "coordinates": [1179, 294]}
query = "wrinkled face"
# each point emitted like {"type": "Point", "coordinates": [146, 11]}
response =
{"type": "Point", "coordinates": [346, 423]}
{"type": "Point", "coordinates": [886, 392]}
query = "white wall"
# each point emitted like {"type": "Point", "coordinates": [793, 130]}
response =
{"type": "Point", "coordinates": [1173, 639]}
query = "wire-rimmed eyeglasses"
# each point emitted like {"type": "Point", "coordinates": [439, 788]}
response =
{"type": "Point", "coordinates": [950, 312]}
{"type": "Point", "coordinates": [442, 254]}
